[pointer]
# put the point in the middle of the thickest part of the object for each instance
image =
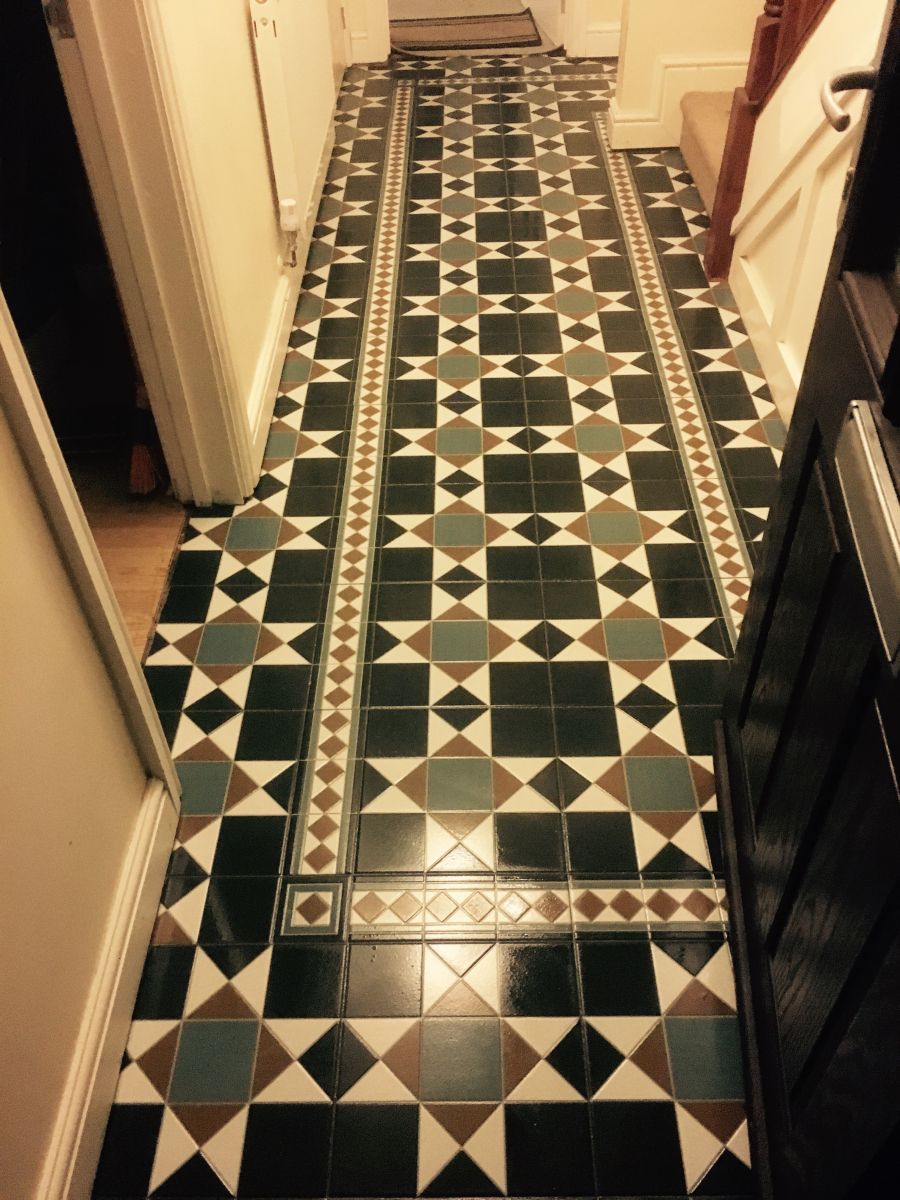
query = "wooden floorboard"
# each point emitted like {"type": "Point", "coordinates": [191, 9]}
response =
{"type": "Point", "coordinates": [137, 538]}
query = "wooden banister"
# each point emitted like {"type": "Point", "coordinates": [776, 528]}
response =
{"type": "Point", "coordinates": [781, 31]}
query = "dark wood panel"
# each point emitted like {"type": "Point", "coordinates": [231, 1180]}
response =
{"type": "Point", "coordinates": [852, 869]}
{"type": "Point", "coordinates": [812, 741]}
{"type": "Point", "coordinates": [796, 605]}
{"type": "Point", "coordinates": [851, 1106]}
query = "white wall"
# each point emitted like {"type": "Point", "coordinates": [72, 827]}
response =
{"type": "Point", "coordinates": [787, 223]}
{"type": "Point", "coordinates": [591, 28]}
{"type": "Point", "coordinates": [72, 789]}
{"type": "Point", "coordinates": [667, 48]}
{"type": "Point", "coordinates": [209, 52]}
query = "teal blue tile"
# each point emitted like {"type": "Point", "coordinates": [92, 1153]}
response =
{"type": "Point", "coordinates": [634, 638]}
{"type": "Point", "coordinates": [655, 784]}
{"type": "Point", "coordinates": [281, 443]}
{"type": "Point", "coordinates": [459, 641]}
{"type": "Point", "coordinates": [253, 533]}
{"type": "Point", "coordinates": [203, 787]}
{"type": "Point", "coordinates": [214, 1063]}
{"type": "Point", "coordinates": [705, 1055]}
{"type": "Point", "coordinates": [461, 1059]}
{"type": "Point", "coordinates": [459, 783]}
{"type": "Point", "coordinates": [227, 644]}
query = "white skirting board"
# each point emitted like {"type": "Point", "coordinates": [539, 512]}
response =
{"type": "Point", "coordinates": [91, 1084]}
{"type": "Point", "coordinates": [661, 126]}
{"type": "Point", "coordinates": [261, 402]}
{"type": "Point", "coordinates": [769, 350]}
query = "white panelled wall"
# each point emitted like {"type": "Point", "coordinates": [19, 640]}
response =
{"type": "Point", "coordinates": [667, 48]}
{"type": "Point", "coordinates": [789, 215]}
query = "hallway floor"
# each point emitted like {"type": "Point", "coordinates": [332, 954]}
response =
{"type": "Point", "coordinates": [445, 916]}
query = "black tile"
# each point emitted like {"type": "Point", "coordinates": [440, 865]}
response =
{"type": "Point", "coordinates": [404, 566]}
{"type": "Point", "coordinates": [402, 602]}
{"type": "Point", "coordinates": [580, 683]}
{"type": "Point", "coordinates": [538, 980]}
{"type": "Point", "coordinates": [282, 687]}
{"type": "Point", "coordinates": [304, 981]}
{"type": "Point", "coordinates": [515, 601]}
{"type": "Point", "coordinates": [391, 842]}
{"type": "Point", "coordinates": [398, 685]}
{"type": "Point", "coordinates": [167, 686]}
{"type": "Point", "coordinates": [196, 568]}
{"type": "Point", "coordinates": [559, 468]}
{"type": "Point", "coordinates": [636, 1148]}
{"type": "Point", "coordinates": [270, 735]}
{"type": "Point", "coordinates": [238, 909]}
{"type": "Point", "coordinates": [249, 846]}
{"type": "Point", "coordinates": [529, 842]}
{"type": "Point", "coordinates": [522, 732]}
{"type": "Point", "coordinates": [519, 684]}
{"type": "Point", "coordinates": [697, 724]}
{"type": "Point", "coordinates": [392, 732]}
{"type": "Point", "coordinates": [285, 1151]}
{"type": "Point", "coordinates": [601, 844]}
{"type": "Point", "coordinates": [699, 681]}
{"type": "Point", "coordinates": [548, 1150]}
{"type": "Point", "coordinates": [676, 562]}
{"type": "Point", "coordinates": [129, 1149]}
{"type": "Point", "coordinates": [617, 978]}
{"type": "Point", "coordinates": [374, 1150]}
{"type": "Point", "coordinates": [558, 497]}
{"type": "Point", "coordinates": [684, 598]}
{"type": "Point", "coordinates": [185, 605]}
{"type": "Point", "coordinates": [290, 603]}
{"type": "Point", "coordinates": [566, 563]}
{"type": "Point", "coordinates": [384, 980]}
{"type": "Point", "coordinates": [514, 563]}
{"type": "Point", "coordinates": [299, 566]}
{"type": "Point", "coordinates": [164, 983]}
{"type": "Point", "coordinates": [586, 731]}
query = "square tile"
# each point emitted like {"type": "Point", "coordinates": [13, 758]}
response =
{"type": "Point", "coordinates": [637, 1149]}
{"type": "Point", "coordinates": [617, 978]}
{"type": "Point", "coordinates": [391, 842]}
{"type": "Point", "coordinates": [214, 1062]}
{"type": "Point", "coordinates": [634, 638]}
{"type": "Point", "coordinates": [203, 787]}
{"type": "Point", "coordinates": [228, 644]}
{"type": "Point", "coordinates": [459, 783]}
{"type": "Point", "coordinates": [384, 980]}
{"type": "Point", "coordinates": [601, 844]}
{"type": "Point", "coordinates": [655, 784]}
{"type": "Point", "coordinates": [529, 842]}
{"type": "Point", "coordinates": [304, 981]}
{"type": "Point", "coordinates": [461, 1059]}
{"type": "Point", "coordinates": [458, 529]}
{"type": "Point", "coordinates": [705, 1053]}
{"type": "Point", "coordinates": [266, 1169]}
{"type": "Point", "coordinates": [459, 641]}
{"type": "Point", "coordinates": [538, 980]}
{"type": "Point", "coordinates": [374, 1150]}
{"type": "Point", "coordinates": [549, 1150]}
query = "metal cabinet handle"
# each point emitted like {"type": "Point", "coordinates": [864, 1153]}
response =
{"type": "Point", "coordinates": [873, 508]}
{"type": "Point", "coordinates": [845, 81]}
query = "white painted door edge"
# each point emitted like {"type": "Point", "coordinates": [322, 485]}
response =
{"type": "Point", "coordinates": [22, 405]}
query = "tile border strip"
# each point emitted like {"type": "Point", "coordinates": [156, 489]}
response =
{"type": "Point", "coordinates": [726, 551]}
{"type": "Point", "coordinates": [322, 833]}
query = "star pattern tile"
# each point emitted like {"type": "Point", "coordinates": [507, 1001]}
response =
{"type": "Point", "coordinates": [445, 913]}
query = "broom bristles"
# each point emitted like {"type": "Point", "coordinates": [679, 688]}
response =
{"type": "Point", "coordinates": [143, 476]}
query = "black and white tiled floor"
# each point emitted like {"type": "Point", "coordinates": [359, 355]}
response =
{"type": "Point", "coordinates": [445, 914]}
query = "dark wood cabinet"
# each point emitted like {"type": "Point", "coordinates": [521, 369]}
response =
{"type": "Point", "coordinates": [808, 751]}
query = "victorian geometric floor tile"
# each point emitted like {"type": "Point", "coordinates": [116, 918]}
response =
{"type": "Point", "coordinates": [445, 913]}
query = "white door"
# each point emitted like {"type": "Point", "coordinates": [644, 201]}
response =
{"type": "Point", "coordinates": [89, 813]}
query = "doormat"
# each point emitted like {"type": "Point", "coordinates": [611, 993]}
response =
{"type": "Point", "coordinates": [482, 31]}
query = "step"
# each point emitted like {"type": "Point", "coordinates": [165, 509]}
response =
{"type": "Point", "coordinates": [703, 133]}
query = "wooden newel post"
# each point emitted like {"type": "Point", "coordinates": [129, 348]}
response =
{"type": "Point", "coordinates": [748, 100]}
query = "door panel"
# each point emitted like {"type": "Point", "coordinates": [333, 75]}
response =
{"type": "Point", "coordinates": [808, 755]}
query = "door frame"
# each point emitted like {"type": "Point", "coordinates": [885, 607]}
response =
{"type": "Point", "coordinates": [77, 1135]}
{"type": "Point", "coordinates": [368, 24]}
{"type": "Point", "coordinates": [126, 113]}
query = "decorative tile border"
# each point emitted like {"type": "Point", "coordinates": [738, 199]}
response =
{"type": "Point", "coordinates": [393, 907]}
{"type": "Point", "coordinates": [727, 552]}
{"type": "Point", "coordinates": [321, 840]}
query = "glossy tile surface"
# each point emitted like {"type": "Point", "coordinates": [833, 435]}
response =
{"type": "Point", "coordinates": [445, 913]}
